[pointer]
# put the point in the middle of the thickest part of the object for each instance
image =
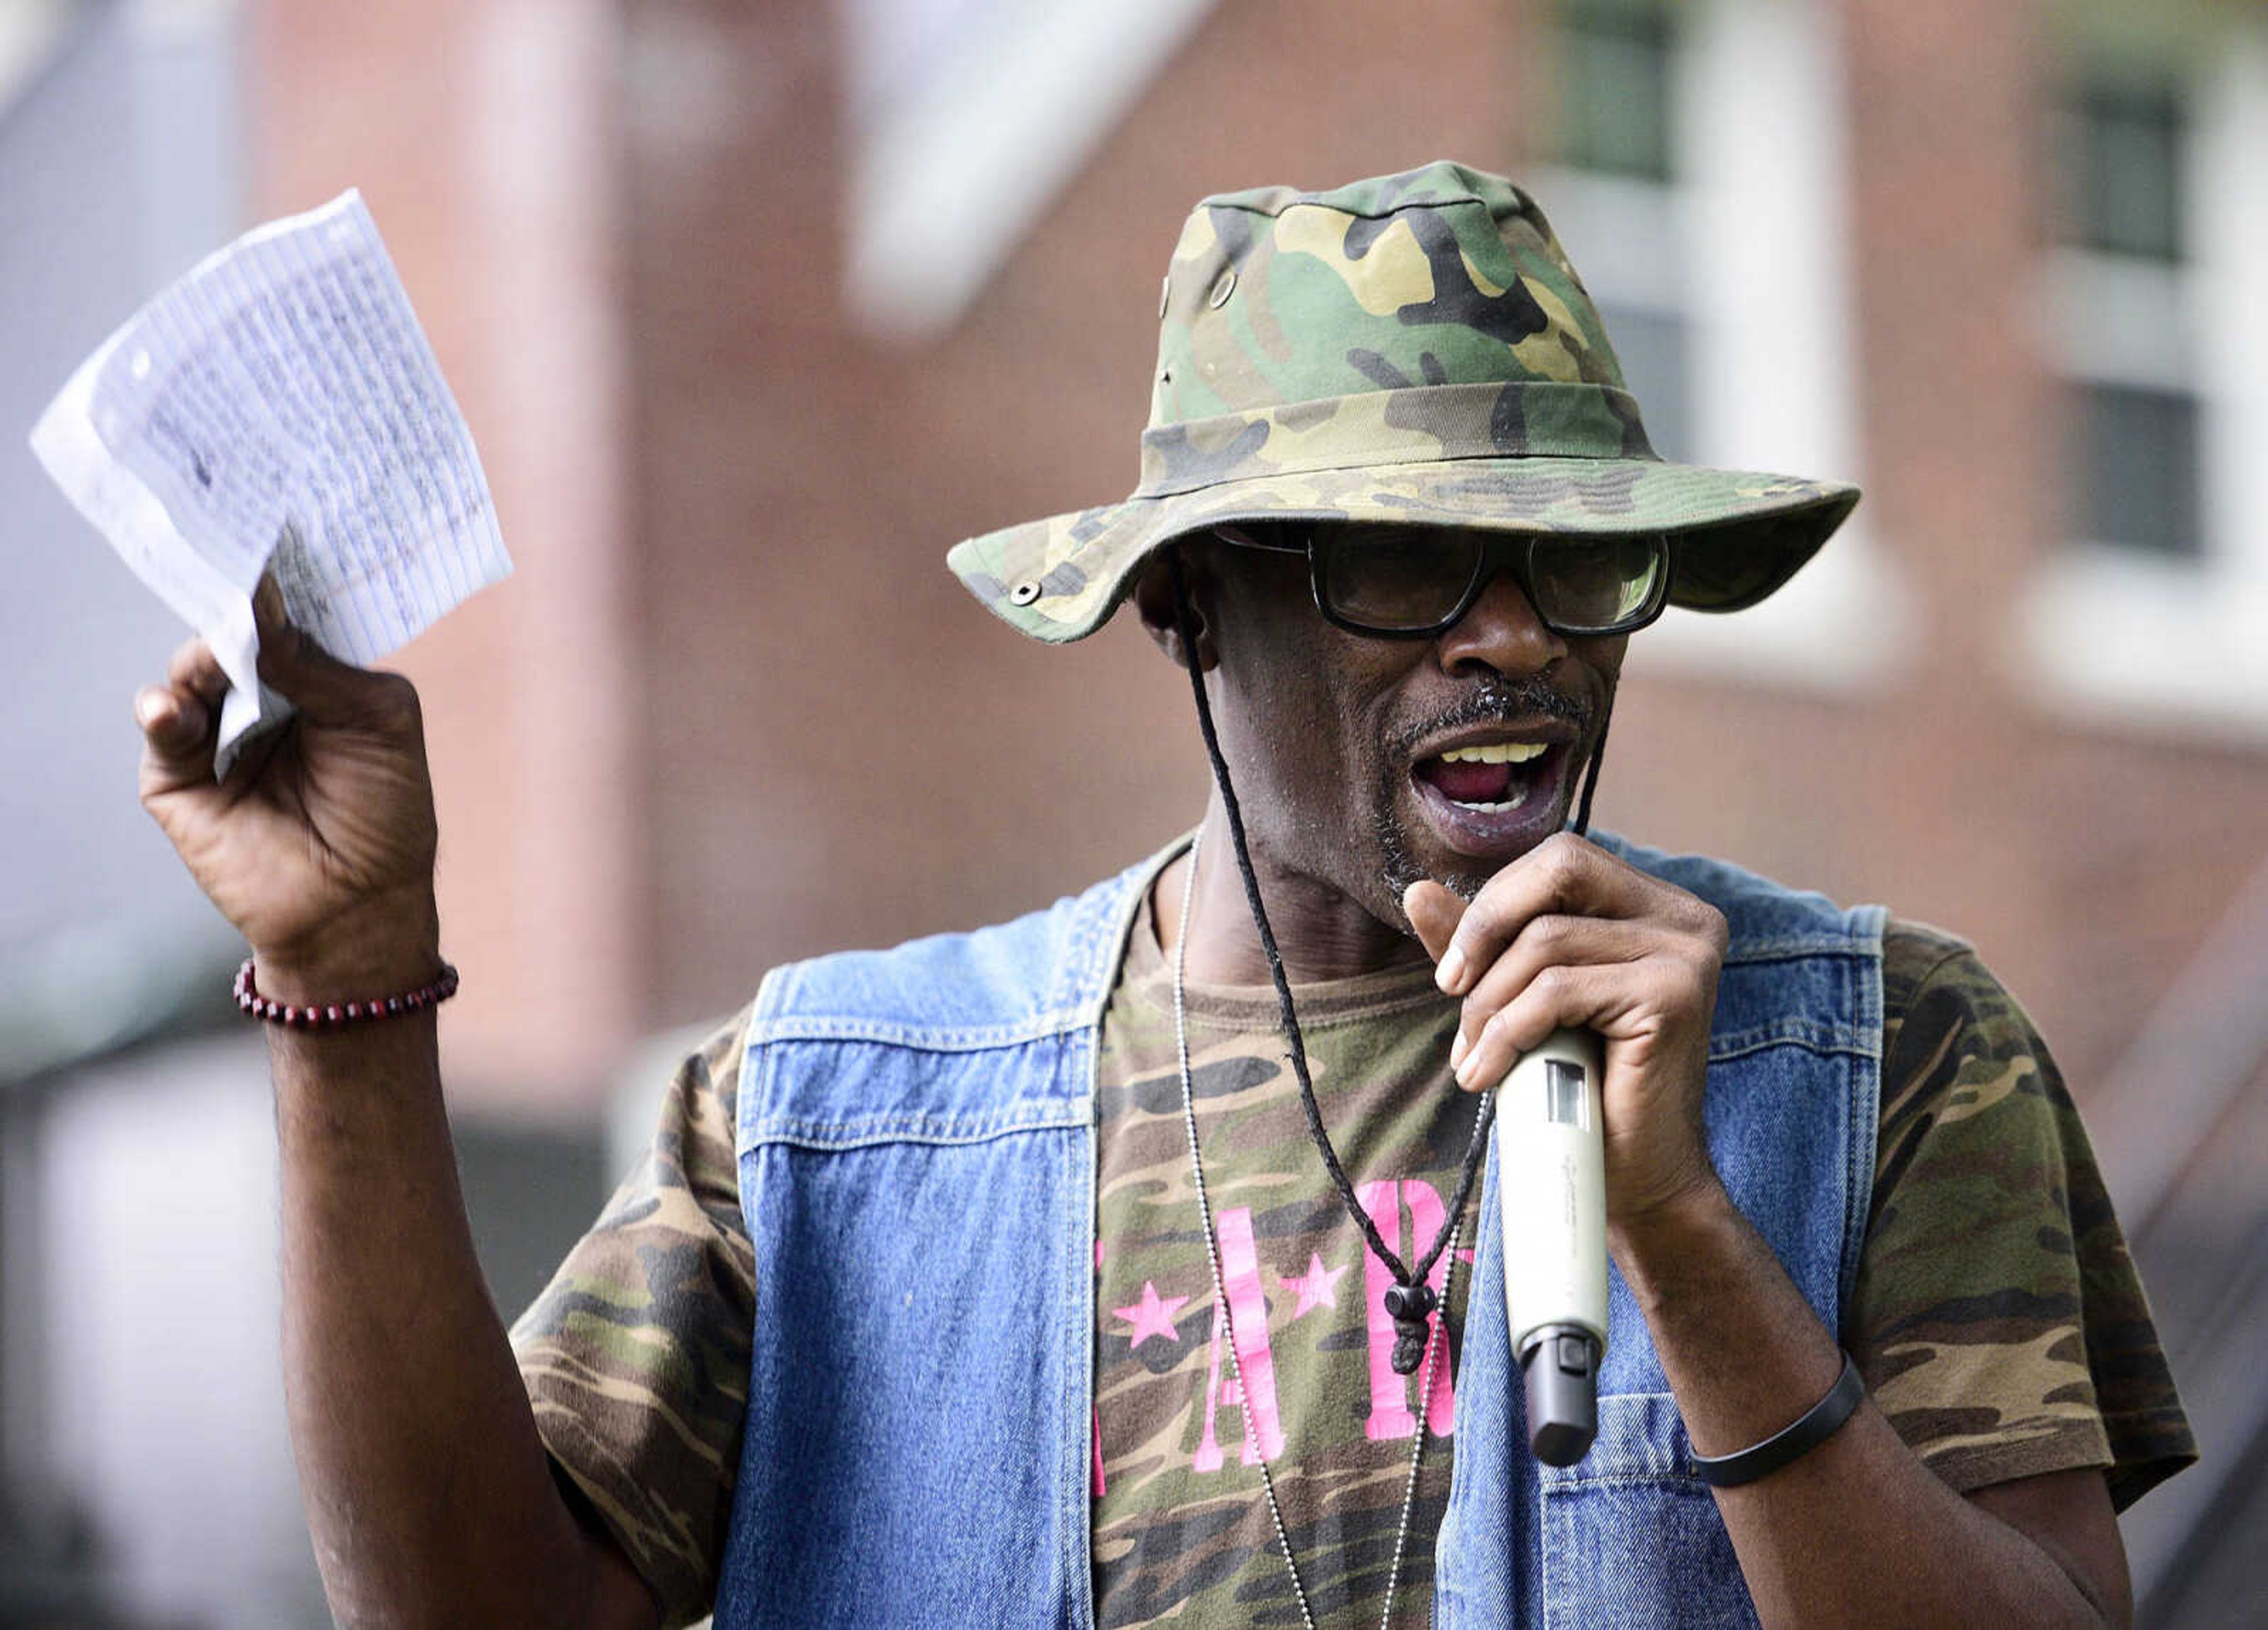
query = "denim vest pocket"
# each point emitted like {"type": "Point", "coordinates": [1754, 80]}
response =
{"type": "Point", "coordinates": [1630, 1538]}
{"type": "Point", "coordinates": [919, 1383]}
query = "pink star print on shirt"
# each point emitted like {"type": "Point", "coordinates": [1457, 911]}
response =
{"type": "Point", "coordinates": [1317, 1287]}
{"type": "Point", "coordinates": [1153, 1315]}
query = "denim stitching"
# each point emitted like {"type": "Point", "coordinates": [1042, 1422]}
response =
{"type": "Point", "coordinates": [1866, 1112]}
{"type": "Point", "coordinates": [1796, 1033]}
{"type": "Point", "coordinates": [919, 1038]}
{"type": "Point", "coordinates": [926, 1131]}
{"type": "Point", "coordinates": [1792, 947]}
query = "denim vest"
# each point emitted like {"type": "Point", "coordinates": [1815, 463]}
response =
{"type": "Point", "coordinates": [917, 1143]}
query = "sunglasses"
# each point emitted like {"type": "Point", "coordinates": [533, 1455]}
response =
{"type": "Point", "coordinates": [1404, 582]}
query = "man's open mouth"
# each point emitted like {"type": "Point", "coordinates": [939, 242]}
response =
{"type": "Point", "coordinates": [1489, 801]}
{"type": "Point", "coordinates": [1492, 779]}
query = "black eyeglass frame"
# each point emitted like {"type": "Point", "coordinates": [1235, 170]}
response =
{"type": "Point", "coordinates": [1500, 551]}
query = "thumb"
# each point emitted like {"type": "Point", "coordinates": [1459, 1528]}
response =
{"type": "Point", "coordinates": [1434, 912]}
{"type": "Point", "coordinates": [326, 689]}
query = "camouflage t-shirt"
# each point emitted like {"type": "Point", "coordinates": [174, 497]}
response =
{"type": "Point", "coordinates": [1996, 1319]}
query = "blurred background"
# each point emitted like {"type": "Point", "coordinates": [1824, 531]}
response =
{"type": "Point", "coordinates": [756, 308]}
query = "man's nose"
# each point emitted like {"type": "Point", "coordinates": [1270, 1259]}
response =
{"type": "Point", "coordinates": [1501, 631]}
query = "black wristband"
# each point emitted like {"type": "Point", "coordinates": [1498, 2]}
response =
{"type": "Point", "coordinates": [1814, 1427]}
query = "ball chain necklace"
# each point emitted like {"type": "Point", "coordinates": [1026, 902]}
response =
{"type": "Point", "coordinates": [1430, 1342]}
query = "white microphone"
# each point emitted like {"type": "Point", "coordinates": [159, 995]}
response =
{"type": "Point", "coordinates": [1552, 1181]}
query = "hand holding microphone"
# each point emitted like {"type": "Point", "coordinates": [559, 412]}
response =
{"type": "Point", "coordinates": [1574, 966]}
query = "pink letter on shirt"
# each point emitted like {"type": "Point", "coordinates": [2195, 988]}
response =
{"type": "Point", "coordinates": [1389, 1393]}
{"type": "Point", "coordinates": [1255, 1359]}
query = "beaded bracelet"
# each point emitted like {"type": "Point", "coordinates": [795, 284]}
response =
{"type": "Point", "coordinates": [1814, 1427]}
{"type": "Point", "coordinates": [326, 1016]}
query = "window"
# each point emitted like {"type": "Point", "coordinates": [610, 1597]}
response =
{"type": "Point", "coordinates": [2131, 409]}
{"type": "Point", "coordinates": [1699, 183]}
{"type": "Point", "coordinates": [1612, 125]}
{"type": "Point", "coordinates": [2133, 481]}
{"type": "Point", "coordinates": [2149, 612]}
{"type": "Point", "coordinates": [1614, 79]}
{"type": "Point", "coordinates": [963, 118]}
{"type": "Point", "coordinates": [2123, 180]}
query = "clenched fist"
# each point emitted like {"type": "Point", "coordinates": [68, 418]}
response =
{"type": "Point", "coordinates": [1567, 935]}
{"type": "Point", "coordinates": [318, 845]}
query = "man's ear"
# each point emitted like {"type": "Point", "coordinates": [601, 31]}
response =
{"type": "Point", "coordinates": [1153, 599]}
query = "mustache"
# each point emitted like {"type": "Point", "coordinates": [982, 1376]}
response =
{"type": "Point", "coordinates": [1496, 700]}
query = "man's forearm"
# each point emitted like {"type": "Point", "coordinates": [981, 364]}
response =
{"type": "Point", "coordinates": [427, 1494]}
{"type": "Point", "coordinates": [1859, 1531]}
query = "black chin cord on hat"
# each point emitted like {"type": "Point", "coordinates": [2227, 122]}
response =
{"type": "Point", "coordinates": [1582, 826]}
{"type": "Point", "coordinates": [1409, 1298]}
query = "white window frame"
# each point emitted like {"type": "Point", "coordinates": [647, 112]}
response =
{"type": "Point", "coordinates": [2114, 636]}
{"type": "Point", "coordinates": [951, 166]}
{"type": "Point", "coordinates": [1746, 249]}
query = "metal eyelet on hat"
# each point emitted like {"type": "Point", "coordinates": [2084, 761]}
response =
{"type": "Point", "coordinates": [1025, 593]}
{"type": "Point", "coordinates": [1222, 290]}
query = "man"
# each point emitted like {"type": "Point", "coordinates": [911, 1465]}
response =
{"type": "Point", "coordinates": [1064, 1273]}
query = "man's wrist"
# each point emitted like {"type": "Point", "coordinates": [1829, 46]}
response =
{"type": "Point", "coordinates": [380, 948]}
{"type": "Point", "coordinates": [1669, 1241]}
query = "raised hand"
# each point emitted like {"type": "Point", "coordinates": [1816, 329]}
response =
{"type": "Point", "coordinates": [319, 843]}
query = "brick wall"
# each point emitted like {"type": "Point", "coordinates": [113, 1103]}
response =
{"type": "Point", "coordinates": [843, 750]}
{"type": "Point", "coordinates": [734, 709]}
{"type": "Point", "coordinates": [481, 133]}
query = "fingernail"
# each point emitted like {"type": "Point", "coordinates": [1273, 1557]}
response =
{"type": "Point", "coordinates": [1450, 976]}
{"type": "Point", "coordinates": [1458, 1049]}
{"type": "Point", "coordinates": [268, 602]}
{"type": "Point", "coordinates": [150, 707]}
{"type": "Point", "coordinates": [1465, 1072]}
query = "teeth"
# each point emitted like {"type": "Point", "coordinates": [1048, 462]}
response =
{"type": "Point", "coordinates": [1497, 753]}
{"type": "Point", "coordinates": [1496, 808]}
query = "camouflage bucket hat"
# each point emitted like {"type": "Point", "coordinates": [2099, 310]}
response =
{"type": "Point", "coordinates": [1411, 349]}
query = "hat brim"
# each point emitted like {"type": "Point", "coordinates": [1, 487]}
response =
{"type": "Point", "coordinates": [1740, 534]}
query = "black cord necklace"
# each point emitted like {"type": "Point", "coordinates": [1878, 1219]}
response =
{"type": "Point", "coordinates": [1409, 1298]}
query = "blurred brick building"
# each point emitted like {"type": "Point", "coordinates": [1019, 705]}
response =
{"type": "Point", "coordinates": [757, 307]}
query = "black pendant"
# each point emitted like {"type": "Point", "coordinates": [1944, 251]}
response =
{"type": "Point", "coordinates": [1408, 1306]}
